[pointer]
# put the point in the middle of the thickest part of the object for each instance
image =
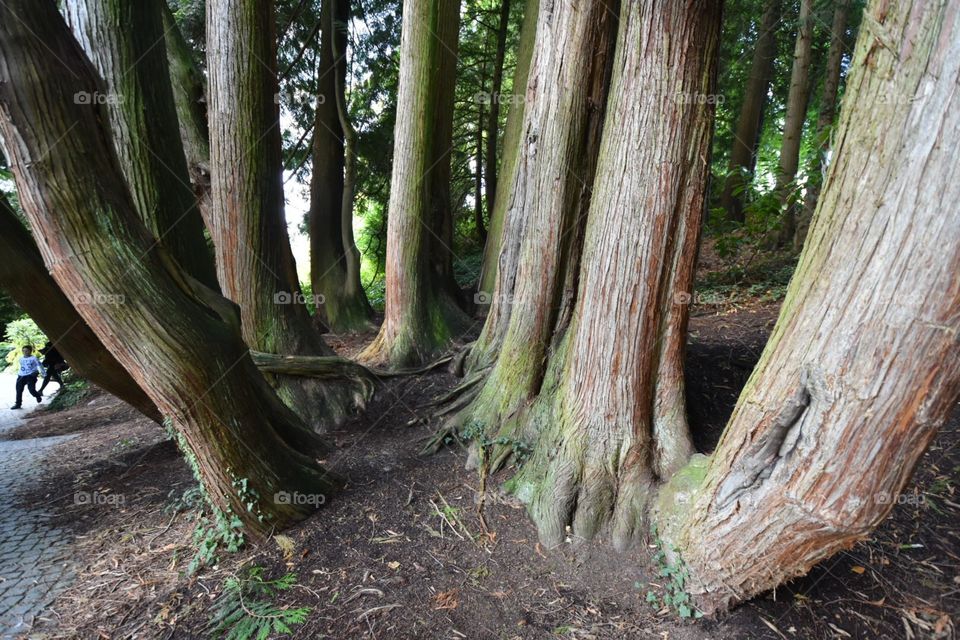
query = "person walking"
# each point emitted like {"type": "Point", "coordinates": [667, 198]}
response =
{"type": "Point", "coordinates": [54, 363]}
{"type": "Point", "coordinates": [30, 367]}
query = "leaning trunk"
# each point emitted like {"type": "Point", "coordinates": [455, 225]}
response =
{"type": "Point", "coordinates": [743, 156]}
{"type": "Point", "coordinates": [864, 363]}
{"type": "Point", "coordinates": [334, 258]}
{"type": "Point", "coordinates": [24, 276]}
{"type": "Point", "coordinates": [422, 316]}
{"type": "Point", "coordinates": [158, 322]}
{"type": "Point", "coordinates": [120, 37]}
{"type": "Point", "coordinates": [511, 148]}
{"type": "Point", "coordinates": [254, 260]}
{"type": "Point", "coordinates": [793, 123]}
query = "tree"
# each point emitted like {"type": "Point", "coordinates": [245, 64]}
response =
{"type": "Point", "coordinates": [24, 276]}
{"type": "Point", "coordinates": [254, 262]}
{"type": "Point", "coordinates": [511, 147]}
{"type": "Point", "coordinates": [747, 135]}
{"type": "Point", "coordinates": [334, 258]}
{"type": "Point", "coordinates": [422, 315]}
{"type": "Point", "coordinates": [864, 363]}
{"type": "Point", "coordinates": [793, 122]}
{"type": "Point", "coordinates": [178, 339]}
{"type": "Point", "coordinates": [543, 228]}
{"type": "Point", "coordinates": [120, 38]}
{"type": "Point", "coordinates": [828, 110]}
{"type": "Point", "coordinates": [493, 122]}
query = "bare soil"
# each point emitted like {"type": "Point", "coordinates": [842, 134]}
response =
{"type": "Point", "coordinates": [403, 551]}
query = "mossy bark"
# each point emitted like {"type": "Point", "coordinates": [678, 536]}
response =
{"type": "Point", "coordinates": [184, 354]}
{"type": "Point", "coordinates": [120, 37]}
{"type": "Point", "coordinates": [863, 365]}
{"type": "Point", "coordinates": [422, 316]}
{"type": "Point", "coordinates": [254, 260]}
{"type": "Point", "coordinates": [334, 258]}
{"type": "Point", "coordinates": [609, 423]}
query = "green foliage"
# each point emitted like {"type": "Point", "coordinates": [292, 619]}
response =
{"type": "Point", "coordinates": [476, 431]}
{"type": "Point", "coordinates": [21, 333]}
{"type": "Point", "coordinates": [74, 391]}
{"type": "Point", "coordinates": [672, 593]}
{"type": "Point", "coordinates": [247, 608]}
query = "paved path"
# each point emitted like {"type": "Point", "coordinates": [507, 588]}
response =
{"type": "Point", "coordinates": [35, 561]}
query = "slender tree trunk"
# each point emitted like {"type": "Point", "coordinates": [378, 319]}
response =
{"type": "Point", "coordinates": [422, 315]}
{"type": "Point", "coordinates": [187, 356]}
{"type": "Point", "coordinates": [478, 178]}
{"type": "Point", "coordinates": [511, 147]}
{"type": "Point", "coordinates": [743, 156]}
{"type": "Point", "coordinates": [334, 258]}
{"type": "Point", "coordinates": [190, 97]}
{"type": "Point", "coordinates": [254, 260]}
{"type": "Point", "coordinates": [120, 37]}
{"type": "Point", "coordinates": [864, 363]}
{"type": "Point", "coordinates": [566, 92]}
{"type": "Point", "coordinates": [24, 276]}
{"type": "Point", "coordinates": [793, 124]}
{"type": "Point", "coordinates": [493, 125]}
{"type": "Point", "coordinates": [828, 109]}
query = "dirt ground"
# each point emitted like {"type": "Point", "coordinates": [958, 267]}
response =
{"type": "Point", "coordinates": [402, 551]}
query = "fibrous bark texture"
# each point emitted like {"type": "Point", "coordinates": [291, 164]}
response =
{"type": "Point", "coordinates": [610, 421]}
{"type": "Point", "coordinates": [254, 260]}
{"type": "Point", "coordinates": [121, 39]}
{"type": "Point", "coordinates": [24, 276]}
{"type": "Point", "coordinates": [864, 363]}
{"type": "Point", "coordinates": [186, 355]}
{"type": "Point", "coordinates": [334, 258]}
{"type": "Point", "coordinates": [422, 316]}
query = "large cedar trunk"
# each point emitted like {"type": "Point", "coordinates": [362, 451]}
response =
{"type": "Point", "coordinates": [543, 230]}
{"type": "Point", "coordinates": [796, 115]}
{"type": "Point", "coordinates": [828, 109]}
{"type": "Point", "coordinates": [334, 258]}
{"type": "Point", "coordinates": [609, 421]}
{"type": "Point", "coordinates": [178, 340]}
{"type": "Point", "coordinates": [422, 314]}
{"type": "Point", "coordinates": [511, 148]}
{"type": "Point", "coordinates": [24, 276]}
{"type": "Point", "coordinates": [746, 137]}
{"type": "Point", "coordinates": [864, 363]}
{"type": "Point", "coordinates": [254, 260]}
{"type": "Point", "coordinates": [493, 123]}
{"type": "Point", "coordinates": [120, 37]}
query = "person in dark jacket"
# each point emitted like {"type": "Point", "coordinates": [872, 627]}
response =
{"type": "Point", "coordinates": [54, 363]}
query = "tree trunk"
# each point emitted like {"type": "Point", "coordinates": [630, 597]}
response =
{"type": "Point", "coordinates": [120, 38]}
{"type": "Point", "coordinates": [828, 109]}
{"type": "Point", "coordinates": [793, 123]}
{"type": "Point", "coordinates": [609, 420]}
{"type": "Point", "coordinates": [146, 309]}
{"type": "Point", "coordinates": [254, 260]}
{"type": "Point", "coordinates": [334, 258]}
{"type": "Point", "coordinates": [864, 363]}
{"type": "Point", "coordinates": [478, 177]}
{"type": "Point", "coordinates": [24, 276]}
{"type": "Point", "coordinates": [511, 147]}
{"type": "Point", "coordinates": [566, 94]}
{"type": "Point", "coordinates": [493, 125]}
{"type": "Point", "coordinates": [190, 97]}
{"type": "Point", "coordinates": [743, 156]}
{"type": "Point", "coordinates": [422, 315]}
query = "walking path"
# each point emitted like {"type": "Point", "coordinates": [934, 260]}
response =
{"type": "Point", "coordinates": [35, 563]}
